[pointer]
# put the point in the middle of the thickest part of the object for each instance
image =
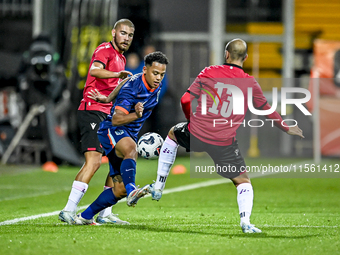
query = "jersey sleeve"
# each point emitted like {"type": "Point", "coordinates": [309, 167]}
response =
{"type": "Point", "coordinates": [186, 104]}
{"type": "Point", "coordinates": [101, 55]}
{"type": "Point", "coordinates": [259, 100]}
{"type": "Point", "coordinates": [126, 98]}
{"type": "Point", "coordinates": [196, 87]}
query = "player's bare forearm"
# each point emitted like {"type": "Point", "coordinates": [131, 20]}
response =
{"type": "Point", "coordinates": [106, 74]}
{"type": "Point", "coordinates": [97, 70]}
{"type": "Point", "coordinates": [115, 92]}
{"type": "Point", "coordinates": [103, 73]}
{"type": "Point", "coordinates": [120, 118]}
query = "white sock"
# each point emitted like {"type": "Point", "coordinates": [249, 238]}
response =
{"type": "Point", "coordinates": [166, 159]}
{"type": "Point", "coordinates": [108, 210]}
{"type": "Point", "coordinates": [77, 192]}
{"type": "Point", "coordinates": [245, 196]}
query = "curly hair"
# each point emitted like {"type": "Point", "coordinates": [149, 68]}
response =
{"type": "Point", "coordinates": [156, 56]}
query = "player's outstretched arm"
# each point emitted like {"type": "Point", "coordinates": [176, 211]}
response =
{"type": "Point", "coordinates": [115, 92]}
{"type": "Point", "coordinates": [98, 97]}
{"type": "Point", "coordinates": [97, 70]}
{"type": "Point", "coordinates": [295, 131]}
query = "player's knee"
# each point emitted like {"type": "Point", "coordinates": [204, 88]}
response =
{"type": "Point", "coordinates": [171, 134]}
{"type": "Point", "coordinates": [96, 165]}
{"type": "Point", "coordinates": [131, 152]}
{"type": "Point", "coordinates": [241, 179]}
{"type": "Point", "coordinates": [93, 163]}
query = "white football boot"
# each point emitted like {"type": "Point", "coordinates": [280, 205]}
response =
{"type": "Point", "coordinates": [111, 219]}
{"type": "Point", "coordinates": [250, 228]}
{"type": "Point", "coordinates": [81, 221]}
{"type": "Point", "coordinates": [156, 194]}
{"type": "Point", "coordinates": [68, 217]}
{"type": "Point", "coordinates": [136, 194]}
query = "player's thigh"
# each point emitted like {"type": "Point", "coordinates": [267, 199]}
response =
{"type": "Point", "coordinates": [126, 148]}
{"type": "Point", "coordinates": [109, 136]}
{"type": "Point", "coordinates": [228, 160]}
{"type": "Point", "coordinates": [88, 122]}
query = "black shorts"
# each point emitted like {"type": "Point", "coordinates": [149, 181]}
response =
{"type": "Point", "coordinates": [88, 122]}
{"type": "Point", "coordinates": [224, 157]}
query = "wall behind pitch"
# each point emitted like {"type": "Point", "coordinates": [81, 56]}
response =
{"type": "Point", "coordinates": [181, 15]}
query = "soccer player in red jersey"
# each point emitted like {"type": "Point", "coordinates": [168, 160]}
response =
{"type": "Point", "coordinates": [217, 88]}
{"type": "Point", "coordinates": [106, 70]}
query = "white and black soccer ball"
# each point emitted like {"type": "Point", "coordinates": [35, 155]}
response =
{"type": "Point", "coordinates": [149, 145]}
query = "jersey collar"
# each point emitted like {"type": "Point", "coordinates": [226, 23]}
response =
{"type": "Point", "coordinates": [147, 85]}
{"type": "Point", "coordinates": [228, 64]}
{"type": "Point", "coordinates": [113, 47]}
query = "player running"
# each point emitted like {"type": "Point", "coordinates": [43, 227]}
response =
{"type": "Point", "coordinates": [118, 134]}
{"type": "Point", "coordinates": [204, 133]}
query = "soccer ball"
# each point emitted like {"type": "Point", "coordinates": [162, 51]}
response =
{"type": "Point", "coordinates": [149, 145]}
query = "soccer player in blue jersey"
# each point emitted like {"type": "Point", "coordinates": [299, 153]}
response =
{"type": "Point", "coordinates": [137, 97]}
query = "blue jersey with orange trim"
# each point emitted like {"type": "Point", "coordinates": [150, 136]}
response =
{"type": "Point", "coordinates": [133, 91]}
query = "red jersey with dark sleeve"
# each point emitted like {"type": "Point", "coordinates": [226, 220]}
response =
{"type": "Point", "coordinates": [113, 61]}
{"type": "Point", "coordinates": [218, 89]}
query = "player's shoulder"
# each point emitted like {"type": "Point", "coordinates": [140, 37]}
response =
{"type": "Point", "coordinates": [135, 79]}
{"type": "Point", "coordinates": [134, 82]}
{"type": "Point", "coordinates": [213, 71]}
{"type": "Point", "coordinates": [254, 82]}
{"type": "Point", "coordinates": [103, 46]}
{"type": "Point", "coordinates": [209, 71]}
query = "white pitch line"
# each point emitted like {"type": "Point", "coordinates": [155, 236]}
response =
{"type": "Point", "coordinates": [41, 193]}
{"type": "Point", "coordinates": [167, 191]}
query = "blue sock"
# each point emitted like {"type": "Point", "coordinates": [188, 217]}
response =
{"type": "Point", "coordinates": [105, 199]}
{"type": "Point", "coordinates": [128, 172]}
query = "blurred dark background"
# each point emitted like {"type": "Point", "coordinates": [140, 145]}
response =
{"type": "Point", "coordinates": [46, 47]}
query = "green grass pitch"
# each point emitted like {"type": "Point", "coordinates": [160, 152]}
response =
{"type": "Point", "coordinates": [296, 215]}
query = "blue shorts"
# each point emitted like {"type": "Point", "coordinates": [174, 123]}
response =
{"type": "Point", "coordinates": [109, 136]}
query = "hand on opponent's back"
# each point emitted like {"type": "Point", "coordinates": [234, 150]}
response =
{"type": "Point", "coordinates": [96, 96]}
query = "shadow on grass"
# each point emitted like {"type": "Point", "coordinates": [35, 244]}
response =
{"type": "Point", "coordinates": [231, 235]}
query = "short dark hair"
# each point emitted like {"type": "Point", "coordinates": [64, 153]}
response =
{"type": "Point", "coordinates": [156, 56]}
{"type": "Point", "coordinates": [237, 49]}
{"type": "Point", "coordinates": [123, 22]}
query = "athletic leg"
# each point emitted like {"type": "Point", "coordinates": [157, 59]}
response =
{"type": "Point", "coordinates": [126, 148]}
{"type": "Point", "coordinates": [166, 159]}
{"type": "Point", "coordinates": [245, 197]}
{"type": "Point", "coordinates": [80, 185]}
{"type": "Point", "coordinates": [109, 196]}
{"type": "Point", "coordinates": [88, 123]}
